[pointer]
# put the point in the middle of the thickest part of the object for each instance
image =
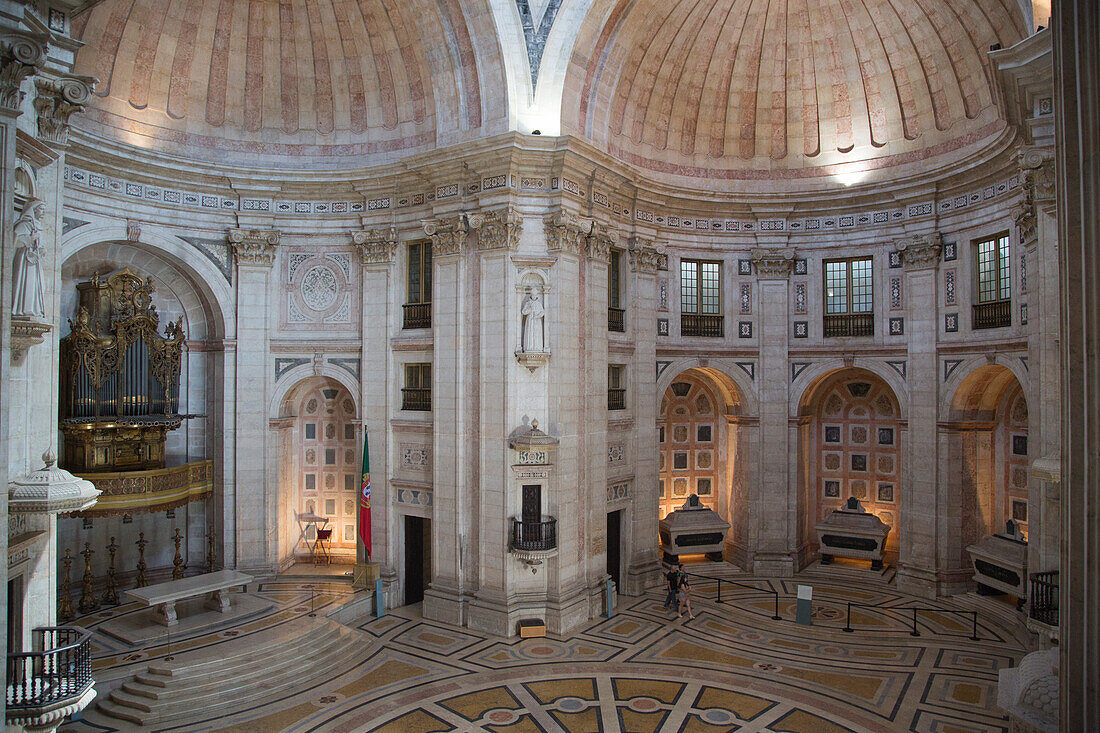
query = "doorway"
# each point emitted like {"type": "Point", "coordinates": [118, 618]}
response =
{"type": "Point", "coordinates": [418, 558]}
{"type": "Point", "coordinates": [15, 614]}
{"type": "Point", "coordinates": [613, 529]}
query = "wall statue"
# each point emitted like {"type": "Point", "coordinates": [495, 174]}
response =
{"type": "Point", "coordinates": [29, 300]}
{"type": "Point", "coordinates": [533, 315]}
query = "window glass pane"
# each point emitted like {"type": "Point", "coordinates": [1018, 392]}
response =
{"type": "Point", "coordinates": [710, 287]}
{"type": "Point", "coordinates": [862, 296]}
{"type": "Point", "coordinates": [426, 272]}
{"type": "Point", "coordinates": [414, 273]}
{"type": "Point", "coordinates": [1005, 269]}
{"type": "Point", "coordinates": [836, 287]}
{"type": "Point", "coordinates": [688, 287]}
{"type": "Point", "coordinates": [615, 284]}
{"type": "Point", "coordinates": [987, 273]}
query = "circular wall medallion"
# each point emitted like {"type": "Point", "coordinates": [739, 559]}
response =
{"type": "Point", "coordinates": [319, 288]}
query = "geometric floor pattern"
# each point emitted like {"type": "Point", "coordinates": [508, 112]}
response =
{"type": "Point", "coordinates": [732, 668]}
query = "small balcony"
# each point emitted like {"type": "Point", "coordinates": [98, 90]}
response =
{"type": "Point", "coordinates": [534, 542]}
{"type": "Point", "coordinates": [43, 687]}
{"type": "Point", "coordinates": [1043, 606]}
{"type": "Point", "coordinates": [616, 399]}
{"type": "Point", "coordinates": [416, 399]}
{"type": "Point", "coordinates": [417, 315]}
{"type": "Point", "coordinates": [997, 314]}
{"type": "Point", "coordinates": [692, 324]}
{"type": "Point", "coordinates": [616, 319]}
{"type": "Point", "coordinates": [850, 324]}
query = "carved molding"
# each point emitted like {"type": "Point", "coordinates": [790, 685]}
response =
{"type": "Point", "coordinates": [254, 246]}
{"type": "Point", "coordinates": [921, 252]}
{"type": "Point", "coordinates": [376, 246]}
{"type": "Point", "coordinates": [566, 233]}
{"type": "Point", "coordinates": [448, 234]}
{"type": "Point", "coordinates": [645, 256]}
{"type": "Point", "coordinates": [25, 333]}
{"type": "Point", "coordinates": [57, 98]}
{"type": "Point", "coordinates": [21, 55]}
{"type": "Point", "coordinates": [772, 263]}
{"type": "Point", "coordinates": [1037, 174]}
{"type": "Point", "coordinates": [599, 242]}
{"type": "Point", "coordinates": [499, 229]}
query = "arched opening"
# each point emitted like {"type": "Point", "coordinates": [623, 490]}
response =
{"type": "Point", "coordinates": [319, 470]}
{"type": "Point", "coordinates": [701, 451]}
{"type": "Point", "coordinates": [988, 424]}
{"type": "Point", "coordinates": [850, 434]}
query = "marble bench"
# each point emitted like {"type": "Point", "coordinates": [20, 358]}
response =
{"type": "Point", "coordinates": [163, 596]}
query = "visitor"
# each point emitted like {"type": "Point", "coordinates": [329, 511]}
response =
{"type": "Point", "coordinates": [684, 596]}
{"type": "Point", "coordinates": [672, 578]}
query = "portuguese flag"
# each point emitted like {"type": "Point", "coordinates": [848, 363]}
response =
{"type": "Point", "coordinates": [364, 500]}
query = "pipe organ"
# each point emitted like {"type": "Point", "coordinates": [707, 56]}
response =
{"type": "Point", "coordinates": [120, 379]}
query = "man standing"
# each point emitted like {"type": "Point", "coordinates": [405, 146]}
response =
{"type": "Point", "coordinates": [672, 577]}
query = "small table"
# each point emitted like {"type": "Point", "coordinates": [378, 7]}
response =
{"type": "Point", "coordinates": [305, 521]}
{"type": "Point", "coordinates": [163, 596]}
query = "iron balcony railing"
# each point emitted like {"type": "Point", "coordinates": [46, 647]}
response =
{"type": "Point", "coordinates": [61, 671]}
{"type": "Point", "coordinates": [692, 324]}
{"type": "Point", "coordinates": [997, 314]}
{"type": "Point", "coordinates": [850, 324]}
{"type": "Point", "coordinates": [417, 315]}
{"type": "Point", "coordinates": [535, 536]}
{"type": "Point", "coordinates": [616, 399]}
{"type": "Point", "coordinates": [616, 319]}
{"type": "Point", "coordinates": [416, 399]}
{"type": "Point", "coordinates": [1044, 597]}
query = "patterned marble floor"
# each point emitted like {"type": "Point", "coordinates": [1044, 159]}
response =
{"type": "Point", "coordinates": [732, 668]}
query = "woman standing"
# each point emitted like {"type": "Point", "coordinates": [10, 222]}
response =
{"type": "Point", "coordinates": [684, 596]}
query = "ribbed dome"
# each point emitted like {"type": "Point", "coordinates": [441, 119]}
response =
{"type": "Point", "coordinates": [784, 88]}
{"type": "Point", "coordinates": [285, 77]}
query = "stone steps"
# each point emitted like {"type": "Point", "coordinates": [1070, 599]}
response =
{"type": "Point", "coordinates": [268, 665]}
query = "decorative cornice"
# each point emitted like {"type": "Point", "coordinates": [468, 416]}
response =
{"type": "Point", "coordinates": [1037, 176]}
{"type": "Point", "coordinates": [921, 252]}
{"type": "Point", "coordinates": [448, 235]}
{"type": "Point", "coordinates": [772, 264]}
{"type": "Point", "coordinates": [376, 246]}
{"type": "Point", "coordinates": [645, 257]}
{"type": "Point", "coordinates": [254, 246]}
{"type": "Point", "coordinates": [499, 229]}
{"type": "Point", "coordinates": [599, 242]}
{"type": "Point", "coordinates": [57, 98]}
{"type": "Point", "coordinates": [21, 55]}
{"type": "Point", "coordinates": [566, 233]}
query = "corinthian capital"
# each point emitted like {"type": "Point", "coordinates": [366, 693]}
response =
{"type": "Point", "coordinates": [376, 246]}
{"type": "Point", "coordinates": [57, 98]}
{"type": "Point", "coordinates": [645, 257]}
{"type": "Point", "coordinates": [254, 246]}
{"type": "Point", "coordinates": [448, 235]}
{"type": "Point", "coordinates": [921, 252]}
{"type": "Point", "coordinates": [21, 55]}
{"type": "Point", "coordinates": [499, 229]}
{"type": "Point", "coordinates": [599, 242]}
{"type": "Point", "coordinates": [566, 232]}
{"type": "Point", "coordinates": [772, 264]}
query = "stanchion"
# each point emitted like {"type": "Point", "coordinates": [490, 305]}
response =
{"type": "Point", "coordinates": [312, 594]}
{"type": "Point", "coordinates": [974, 631]}
{"type": "Point", "coordinates": [169, 658]}
{"type": "Point", "coordinates": [847, 621]}
{"type": "Point", "coordinates": [914, 632]}
{"type": "Point", "coordinates": [776, 616]}
{"type": "Point", "coordinates": [719, 590]}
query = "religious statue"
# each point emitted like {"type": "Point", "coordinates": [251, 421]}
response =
{"type": "Point", "coordinates": [29, 300]}
{"type": "Point", "coordinates": [532, 313]}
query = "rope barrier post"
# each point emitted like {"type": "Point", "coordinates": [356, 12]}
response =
{"type": "Point", "coordinates": [974, 632]}
{"type": "Point", "coordinates": [847, 621]}
{"type": "Point", "coordinates": [775, 616]}
{"type": "Point", "coordinates": [914, 632]}
{"type": "Point", "coordinates": [719, 590]}
{"type": "Point", "coordinates": [312, 592]}
{"type": "Point", "coordinates": [379, 599]}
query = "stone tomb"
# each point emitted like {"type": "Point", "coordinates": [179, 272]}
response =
{"type": "Point", "coordinates": [1000, 563]}
{"type": "Point", "coordinates": [692, 529]}
{"type": "Point", "coordinates": [852, 531]}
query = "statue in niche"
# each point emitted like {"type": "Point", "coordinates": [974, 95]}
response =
{"type": "Point", "coordinates": [533, 314]}
{"type": "Point", "coordinates": [29, 300]}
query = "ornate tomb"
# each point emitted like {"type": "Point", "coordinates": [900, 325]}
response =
{"type": "Point", "coordinates": [1000, 563]}
{"type": "Point", "coordinates": [692, 529]}
{"type": "Point", "coordinates": [852, 531]}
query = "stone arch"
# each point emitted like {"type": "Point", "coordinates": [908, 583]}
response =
{"type": "Point", "coordinates": [735, 385]}
{"type": "Point", "coordinates": [291, 381]}
{"type": "Point", "coordinates": [964, 371]}
{"type": "Point", "coordinates": [704, 447]}
{"type": "Point", "coordinates": [813, 376]}
{"type": "Point", "coordinates": [851, 426]}
{"type": "Point", "coordinates": [985, 434]}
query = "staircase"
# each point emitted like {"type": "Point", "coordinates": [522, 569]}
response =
{"type": "Point", "coordinates": [238, 674]}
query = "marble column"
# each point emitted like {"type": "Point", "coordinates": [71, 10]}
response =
{"type": "Point", "coordinates": [777, 539]}
{"type": "Point", "coordinates": [1076, 26]}
{"type": "Point", "coordinates": [445, 599]}
{"type": "Point", "coordinates": [377, 253]}
{"type": "Point", "coordinates": [642, 567]}
{"type": "Point", "coordinates": [920, 531]}
{"type": "Point", "coordinates": [251, 543]}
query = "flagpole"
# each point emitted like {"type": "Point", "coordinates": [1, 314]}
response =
{"type": "Point", "coordinates": [366, 571]}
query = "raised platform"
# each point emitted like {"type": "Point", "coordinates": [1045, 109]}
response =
{"type": "Point", "coordinates": [139, 628]}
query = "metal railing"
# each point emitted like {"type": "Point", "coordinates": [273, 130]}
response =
{"type": "Point", "coordinates": [911, 617]}
{"type": "Point", "coordinates": [992, 315]}
{"type": "Point", "coordinates": [541, 535]}
{"type": "Point", "coordinates": [850, 324]}
{"type": "Point", "coordinates": [1044, 597]}
{"type": "Point", "coordinates": [718, 598]}
{"type": "Point", "coordinates": [616, 320]}
{"type": "Point", "coordinates": [696, 325]}
{"type": "Point", "coordinates": [416, 399]}
{"type": "Point", "coordinates": [62, 670]}
{"type": "Point", "coordinates": [417, 315]}
{"type": "Point", "coordinates": [616, 399]}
